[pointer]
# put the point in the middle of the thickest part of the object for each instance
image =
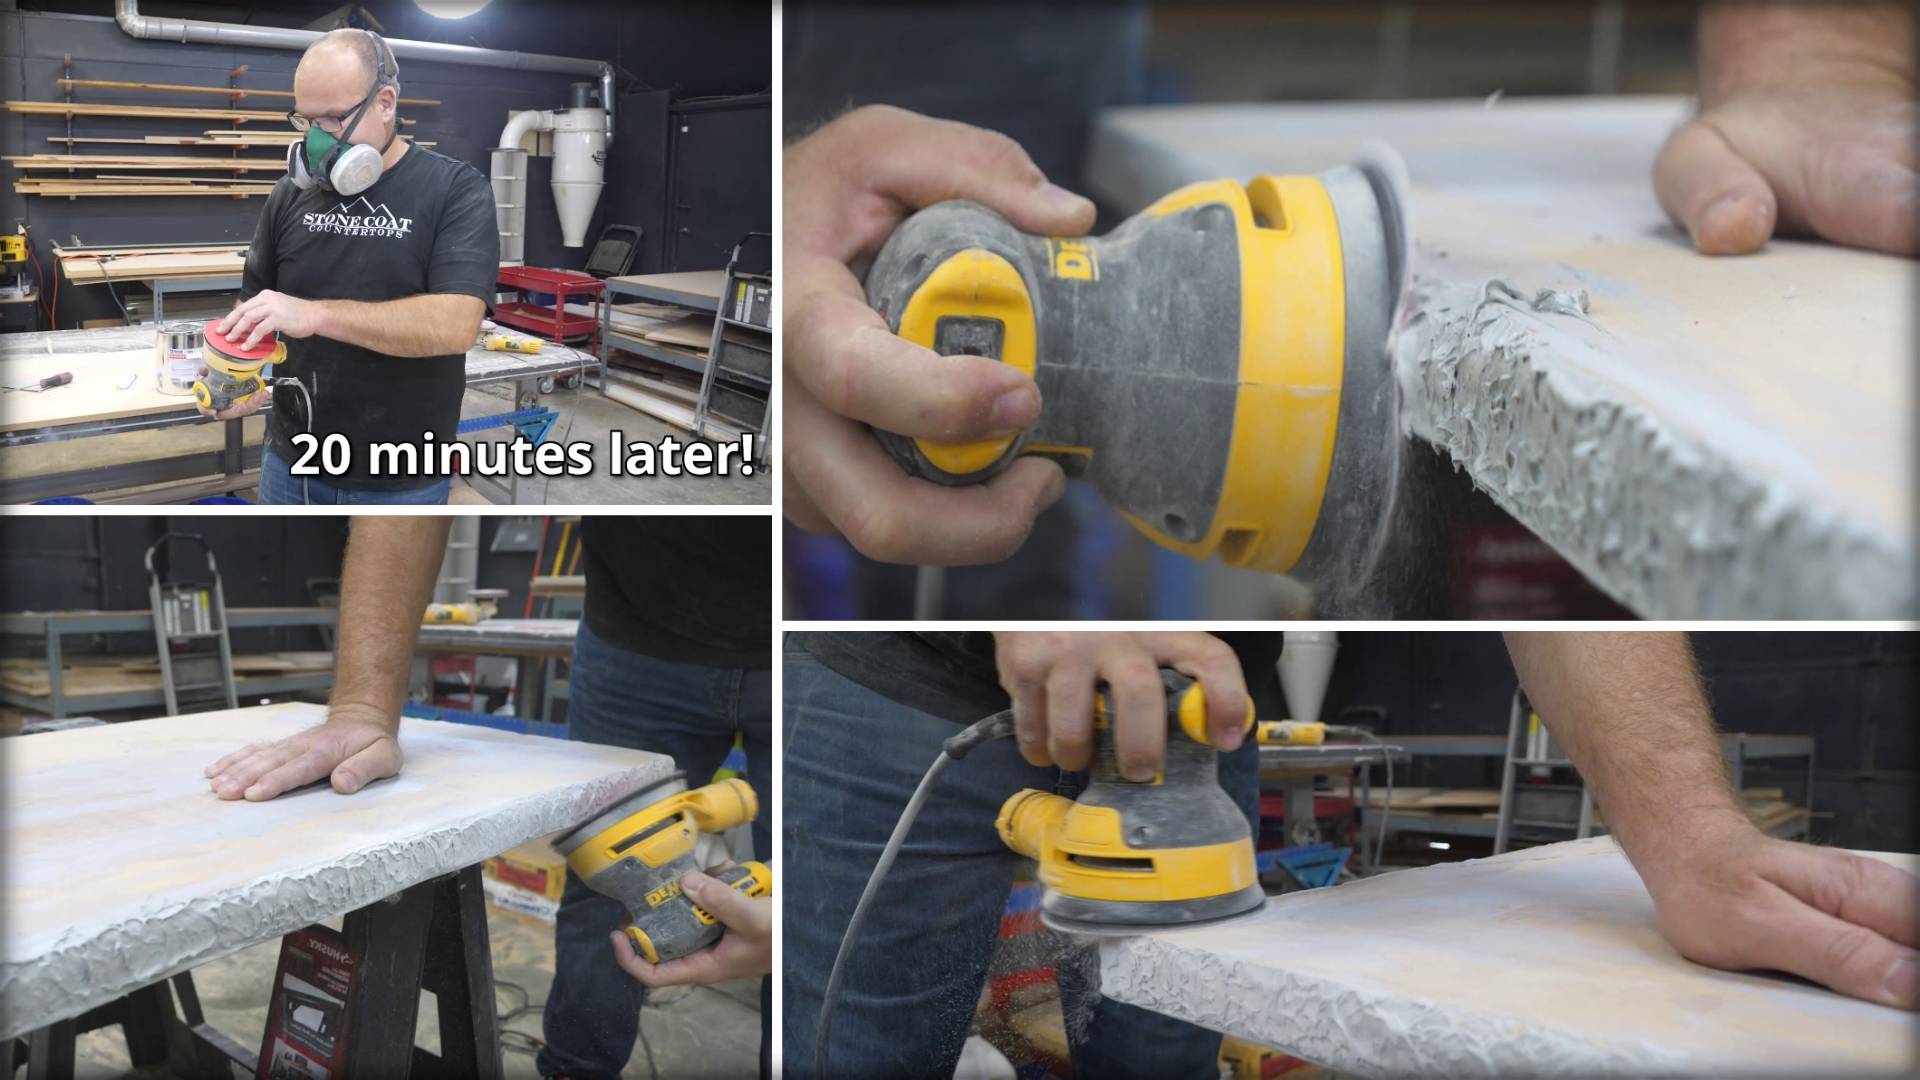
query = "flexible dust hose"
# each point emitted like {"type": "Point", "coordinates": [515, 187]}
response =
{"type": "Point", "coordinates": [997, 726]}
{"type": "Point", "coordinates": [1386, 807]}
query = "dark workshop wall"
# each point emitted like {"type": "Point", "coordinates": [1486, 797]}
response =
{"type": "Point", "coordinates": [1853, 691]}
{"type": "Point", "coordinates": [82, 562]}
{"type": "Point", "coordinates": [664, 53]}
{"type": "Point", "coordinates": [72, 563]}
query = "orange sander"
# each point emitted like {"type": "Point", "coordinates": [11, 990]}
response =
{"type": "Point", "coordinates": [233, 373]}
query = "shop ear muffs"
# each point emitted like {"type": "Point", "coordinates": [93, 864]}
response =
{"type": "Point", "coordinates": [335, 164]}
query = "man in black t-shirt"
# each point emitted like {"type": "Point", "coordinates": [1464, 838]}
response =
{"type": "Point", "coordinates": [378, 291]}
{"type": "Point", "coordinates": [672, 657]}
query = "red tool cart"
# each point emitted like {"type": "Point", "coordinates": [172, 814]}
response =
{"type": "Point", "coordinates": [555, 323]}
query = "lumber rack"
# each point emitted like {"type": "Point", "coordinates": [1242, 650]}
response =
{"type": "Point", "coordinates": [429, 936]}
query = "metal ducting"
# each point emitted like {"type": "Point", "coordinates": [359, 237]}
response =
{"type": "Point", "coordinates": [199, 32]}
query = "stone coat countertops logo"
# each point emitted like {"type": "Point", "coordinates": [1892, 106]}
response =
{"type": "Point", "coordinates": [359, 218]}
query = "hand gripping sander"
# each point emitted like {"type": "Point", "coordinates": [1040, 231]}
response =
{"type": "Point", "coordinates": [1123, 858]}
{"type": "Point", "coordinates": [1127, 857]}
{"type": "Point", "coordinates": [1216, 366]}
{"type": "Point", "coordinates": [234, 373]}
{"type": "Point", "coordinates": [638, 851]}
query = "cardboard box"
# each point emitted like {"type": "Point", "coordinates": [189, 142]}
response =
{"type": "Point", "coordinates": [526, 881]}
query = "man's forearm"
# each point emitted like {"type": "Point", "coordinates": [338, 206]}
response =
{"type": "Point", "coordinates": [430, 324]}
{"type": "Point", "coordinates": [1629, 709]}
{"type": "Point", "coordinates": [388, 578]}
{"type": "Point", "coordinates": [1745, 44]}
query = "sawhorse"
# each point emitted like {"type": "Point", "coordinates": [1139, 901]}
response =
{"type": "Point", "coordinates": [432, 936]}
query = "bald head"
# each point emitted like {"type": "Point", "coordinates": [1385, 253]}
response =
{"type": "Point", "coordinates": [340, 51]}
{"type": "Point", "coordinates": [335, 75]}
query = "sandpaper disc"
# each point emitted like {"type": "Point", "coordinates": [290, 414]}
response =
{"type": "Point", "coordinates": [262, 349]}
{"type": "Point", "coordinates": [1081, 928]}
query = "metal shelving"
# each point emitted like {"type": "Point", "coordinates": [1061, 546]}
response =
{"type": "Point", "coordinates": [54, 626]}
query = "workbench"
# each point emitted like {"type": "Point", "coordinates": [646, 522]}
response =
{"type": "Point", "coordinates": [1294, 769]}
{"type": "Point", "coordinates": [123, 872]}
{"type": "Point", "coordinates": [94, 405]}
{"type": "Point", "coordinates": [53, 626]}
{"type": "Point", "coordinates": [1711, 438]}
{"type": "Point", "coordinates": [1533, 963]}
{"type": "Point", "coordinates": [533, 643]}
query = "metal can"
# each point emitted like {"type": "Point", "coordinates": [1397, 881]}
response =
{"type": "Point", "coordinates": [180, 346]}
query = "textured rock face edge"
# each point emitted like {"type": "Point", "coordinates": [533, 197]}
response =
{"type": "Point", "coordinates": [1643, 511]}
{"type": "Point", "coordinates": [78, 974]}
{"type": "Point", "coordinates": [1349, 1029]}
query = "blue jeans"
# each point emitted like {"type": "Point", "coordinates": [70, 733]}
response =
{"type": "Point", "coordinates": [852, 760]}
{"type": "Point", "coordinates": [692, 713]}
{"type": "Point", "coordinates": [278, 486]}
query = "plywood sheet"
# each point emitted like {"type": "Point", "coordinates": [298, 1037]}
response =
{"type": "Point", "coordinates": [707, 283]}
{"type": "Point", "coordinates": [121, 867]}
{"type": "Point", "coordinates": [1540, 962]}
{"type": "Point", "coordinates": [1716, 438]}
{"type": "Point", "coordinates": [691, 331]}
{"type": "Point", "coordinates": [1428, 798]}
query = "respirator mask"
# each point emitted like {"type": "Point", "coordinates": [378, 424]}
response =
{"type": "Point", "coordinates": [333, 163]}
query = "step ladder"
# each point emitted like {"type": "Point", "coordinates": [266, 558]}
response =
{"type": "Point", "coordinates": [1531, 746]}
{"type": "Point", "coordinates": [191, 616]}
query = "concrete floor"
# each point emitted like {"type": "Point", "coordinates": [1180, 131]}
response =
{"type": "Point", "coordinates": [693, 1031]}
{"type": "Point", "coordinates": [593, 417]}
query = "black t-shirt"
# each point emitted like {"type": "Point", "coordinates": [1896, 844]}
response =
{"type": "Point", "coordinates": [427, 226]}
{"type": "Point", "coordinates": [952, 675]}
{"type": "Point", "coordinates": [695, 590]}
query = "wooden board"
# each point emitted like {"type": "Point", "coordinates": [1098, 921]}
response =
{"type": "Point", "coordinates": [690, 331]}
{"type": "Point", "coordinates": [157, 112]}
{"type": "Point", "coordinates": [1539, 962]}
{"type": "Point", "coordinates": [1427, 798]}
{"type": "Point", "coordinates": [221, 260]}
{"type": "Point", "coordinates": [653, 397]}
{"type": "Point", "coordinates": [706, 283]}
{"type": "Point", "coordinates": [105, 189]}
{"type": "Point", "coordinates": [177, 88]}
{"type": "Point", "coordinates": [181, 163]}
{"type": "Point", "coordinates": [83, 678]}
{"type": "Point", "coordinates": [559, 585]}
{"type": "Point", "coordinates": [174, 877]}
{"type": "Point", "coordinates": [1733, 434]}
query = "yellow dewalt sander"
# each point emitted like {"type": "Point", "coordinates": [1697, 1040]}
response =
{"type": "Point", "coordinates": [1216, 366]}
{"type": "Point", "coordinates": [234, 373]}
{"type": "Point", "coordinates": [484, 605]}
{"type": "Point", "coordinates": [637, 852]}
{"type": "Point", "coordinates": [1126, 857]}
{"type": "Point", "coordinates": [1123, 858]}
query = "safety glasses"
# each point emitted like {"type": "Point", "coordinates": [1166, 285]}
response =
{"type": "Point", "coordinates": [334, 125]}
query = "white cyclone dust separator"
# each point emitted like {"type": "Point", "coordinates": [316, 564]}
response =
{"type": "Point", "coordinates": [1306, 666]}
{"type": "Point", "coordinates": [579, 167]}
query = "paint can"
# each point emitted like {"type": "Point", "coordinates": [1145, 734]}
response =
{"type": "Point", "coordinates": [180, 348]}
